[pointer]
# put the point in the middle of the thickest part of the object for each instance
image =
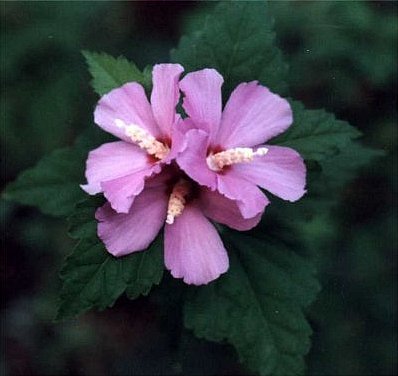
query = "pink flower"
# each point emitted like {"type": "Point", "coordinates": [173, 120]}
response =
{"type": "Point", "coordinates": [119, 169]}
{"type": "Point", "coordinates": [225, 150]}
{"type": "Point", "coordinates": [193, 249]}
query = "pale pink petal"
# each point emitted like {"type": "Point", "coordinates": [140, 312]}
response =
{"type": "Point", "coordinates": [165, 95]}
{"type": "Point", "coordinates": [223, 210]}
{"type": "Point", "coordinates": [126, 233]}
{"type": "Point", "coordinates": [202, 101]}
{"type": "Point", "coordinates": [178, 142]}
{"type": "Point", "coordinates": [129, 104]}
{"type": "Point", "coordinates": [281, 171]}
{"type": "Point", "coordinates": [253, 115]}
{"type": "Point", "coordinates": [121, 192]}
{"type": "Point", "coordinates": [250, 200]}
{"type": "Point", "coordinates": [193, 249]}
{"type": "Point", "coordinates": [111, 161]}
{"type": "Point", "coordinates": [193, 159]}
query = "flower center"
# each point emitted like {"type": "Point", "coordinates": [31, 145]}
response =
{"type": "Point", "coordinates": [143, 139]}
{"type": "Point", "coordinates": [177, 200]}
{"type": "Point", "coordinates": [218, 161]}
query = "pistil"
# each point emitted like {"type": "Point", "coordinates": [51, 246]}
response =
{"type": "Point", "coordinates": [143, 139]}
{"type": "Point", "coordinates": [177, 200]}
{"type": "Point", "coordinates": [218, 161]}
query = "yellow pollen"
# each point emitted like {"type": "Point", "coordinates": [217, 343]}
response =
{"type": "Point", "coordinates": [177, 200]}
{"type": "Point", "coordinates": [218, 161]}
{"type": "Point", "coordinates": [143, 139]}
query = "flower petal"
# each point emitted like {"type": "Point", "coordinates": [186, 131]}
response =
{"type": "Point", "coordinates": [165, 95]}
{"type": "Point", "coordinates": [281, 171]}
{"type": "Point", "coordinates": [250, 200]}
{"type": "Point", "coordinates": [111, 161]}
{"type": "Point", "coordinates": [253, 115]}
{"type": "Point", "coordinates": [129, 104]}
{"type": "Point", "coordinates": [223, 210]}
{"type": "Point", "coordinates": [193, 159]}
{"type": "Point", "coordinates": [193, 249]}
{"type": "Point", "coordinates": [121, 192]}
{"type": "Point", "coordinates": [126, 233]}
{"type": "Point", "coordinates": [202, 101]}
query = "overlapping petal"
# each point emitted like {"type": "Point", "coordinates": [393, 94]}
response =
{"type": "Point", "coordinates": [129, 104]}
{"type": "Point", "coordinates": [193, 158]}
{"type": "Point", "coordinates": [126, 233]}
{"type": "Point", "coordinates": [250, 200]}
{"type": "Point", "coordinates": [202, 101]}
{"type": "Point", "coordinates": [193, 249]}
{"type": "Point", "coordinates": [222, 210]}
{"type": "Point", "coordinates": [111, 161]}
{"type": "Point", "coordinates": [281, 171]}
{"type": "Point", "coordinates": [165, 95]}
{"type": "Point", "coordinates": [121, 192]}
{"type": "Point", "coordinates": [252, 116]}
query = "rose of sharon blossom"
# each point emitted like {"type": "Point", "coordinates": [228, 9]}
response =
{"type": "Point", "coordinates": [225, 150]}
{"type": "Point", "coordinates": [119, 169]}
{"type": "Point", "coordinates": [193, 249]}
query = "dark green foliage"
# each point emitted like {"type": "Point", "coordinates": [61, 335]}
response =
{"type": "Point", "coordinates": [53, 184]}
{"type": "Point", "coordinates": [339, 53]}
{"type": "Point", "coordinates": [316, 134]}
{"type": "Point", "coordinates": [237, 40]}
{"type": "Point", "coordinates": [329, 47]}
{"type": "Point", "coordinates": [109, 73]}
{"type": "Point", "coordinates": [92, 278]}
{"type": "Point", "coordinates": [240, 307]}
{"type": "Point", "coordinates": [258, 305]}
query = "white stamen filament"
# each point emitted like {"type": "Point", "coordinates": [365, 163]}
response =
{"type": "Point", "coordinates": [143, 139]}
{"type": "Point", "coordinates": [218, 161]}
{"type": "Point", "coordinates": [177, 200]}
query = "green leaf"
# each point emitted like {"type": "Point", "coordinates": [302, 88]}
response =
{"type": "Point", "coordinates": [81, 221]}
{"type": "Point", "coordinates": [258, 306]}
{"type": "Point", "coordinates": [109, 73]}
{"type": "Point", "coordinates": [53, 184]}
{"type": "Point", "coordinates": [237, 40]}
{"type": "Point", "coordinates": [341, 168]}
{"type": "Point", "coordinates": [316, 134]}
{"type": "Point", "coordinates": [92, 278]}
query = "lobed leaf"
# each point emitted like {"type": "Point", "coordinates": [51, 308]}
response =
{"type": "Point", "coordinates": [53, 184]}
{"type": "Point", "coordinates": [316, 134]}
{"type": "Point", "coordinates": [93, 278]}
{"type": "Point", "coordinates": [237, 40]}
{"type": "Point", "coordinates": [109, 73]}
{"type": "Point", "coordinates": [258, 306]}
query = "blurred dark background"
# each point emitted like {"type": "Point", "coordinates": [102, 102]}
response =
{"type": "Point", "coordinates": [342, 57]}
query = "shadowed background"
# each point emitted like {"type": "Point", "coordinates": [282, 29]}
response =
{"type": "Point", "coordinates": [342, 58]}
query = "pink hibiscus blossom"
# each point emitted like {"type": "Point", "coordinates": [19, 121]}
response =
{"type": "Point", "coordinates": [193, 249]}
{"type": "Point", "coordinates": [225, 150]}
{"type": "Point", "coordinates": [119, 169]}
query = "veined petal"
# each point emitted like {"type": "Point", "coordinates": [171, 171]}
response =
{"type": "Point", "coordinates": [202, 101]}
{"type": "Point", "coordinates": [193, 249]}
{"type": "Point", "coordinates": [126, 233]}
{"type": "Point", "coordinates": [193, 159]}
{"type": "Point", "coordinates": [129, 104]}
{"type": "Point", "coordinates": [281, 171]}
{"type": "Point", "coordinates": [178, 141]}
{"type": "Point", "coordinates": [111, 161]}
{"type": "Point", "coordinates": [121, 192]}
{"type": "Point", "coordinates": [252, 116]}
{"type": "Point", "coordinates": [250, 200]}
{"type": "Point", "coordinates": [223, 210]}
{"type": "Point", "coordinates": [165, 95]}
